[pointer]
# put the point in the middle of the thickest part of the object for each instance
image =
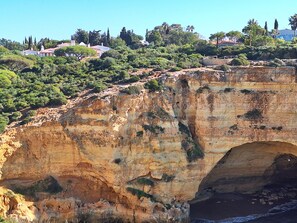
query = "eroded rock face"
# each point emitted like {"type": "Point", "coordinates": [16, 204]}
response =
{"type": "Point", "coordinates": [146, 155]}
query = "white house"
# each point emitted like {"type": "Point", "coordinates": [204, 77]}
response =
{"type": "Point", "coordinates": [286, 34]}
{"type": "Point", "coordinates": [29, 52]}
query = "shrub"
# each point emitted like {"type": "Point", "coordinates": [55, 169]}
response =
{"type": "Point", "coordinates": [153, 129]}
{"type": "Point", "coordinates": [276, 63]}
{"type": "Point", "coordinates": [15, 116]}
{"type": "Point", "coordinates": [167, 178]}
{"type": "Point", "coordinates": [3, 122]}
{"type": "Point", "coordinates": [131, 90]}
{"type": "Point", "coordinates": [240, 61]}
{"type": "Point", "coordinates": [133, 79]}
{"type": "Point", "coordinates": [224, 67]}
{"type": "Point", "coordinates": [138, 193]}
{"type": "Point", "coordinates": [123, 75]}
{"type": "Point", "coordinates": [174, 69]}
{"type": "Point", "coordinates": [153, 85]}
{"type": "Point", "coordinates": [145, 181]}
{"type": "Point", "coordinates": [253, 114]}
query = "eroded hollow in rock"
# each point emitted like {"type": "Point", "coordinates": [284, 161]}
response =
{"type": "Point", "coordinates": [249, 179]}
{"type": "Point", "coordinates": [249, 167]}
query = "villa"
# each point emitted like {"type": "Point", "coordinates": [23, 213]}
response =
{"type": "Point", "coordinates": [100, 49]}
{"type": "Point", "coordinates": [285, 34]}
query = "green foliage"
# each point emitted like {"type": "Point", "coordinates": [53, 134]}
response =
{"type": "Point", "coordinates": [253, 31]}
{"type": "Point", "coordinates": [3, 122]}
{"type": "Point", "coordinates": [49, 185]}
{"type": "Point", "coordinates": [276, 63]}
{"type": "Point", "coordinates": [3, 50]}
{"type": "Point", "coordinates": [15, 62]}
{"type": "Point", "coordinates": [139, 133]}
{"type": "Point", "coordinates": [132, 90]}
{"type": "Point", "coordinates": [79, 52]}
{"type": "Point", "coordinates": [192, 148]}
{"type": "Point", "coordinates": [165, 35]}
{"type": "Point", "coordinates": [145, 181]}
{"type": "Point", "coordinates": [10, 45]}
{"type": "Point", "coordinates": [254, 114]}
{"type": "Point", "coordinates": [293, 22]}
{"type": "Point", "coordinates": [184, 129]}
{"type": "Point", "coordinates": [139, 193]}
{"type": "Point", "coordinates": [240, 61]}
{"type": "Point", "coordinates": [217, 36]}
{"type": "Point", "coordinates": [167, 178]}
{"type": "Point", "coordinates": [153, 85]}
{"type": "Point", "coordinates": [81, 36]}
{"type": "Point", "coordinates": [153, 129]}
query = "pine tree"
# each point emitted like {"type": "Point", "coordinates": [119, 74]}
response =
{"type": "Point", "coordinates": [30, 42]}
{"type": "Point", "coordinates": [146, 34]}
{"type": "Point", "coordinates": [123, 34]}
{"type": "Point", "coordinates": [276, 24]}
{"type": "Point", "coordinates": [108, 37]}
{"type": "Point", "coordinates": [266, 28]}
{"type": "Point", "coordinates": [35, 42]}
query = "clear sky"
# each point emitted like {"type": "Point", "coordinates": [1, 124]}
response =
{"type": "Point", "coordinates": [59, 19]}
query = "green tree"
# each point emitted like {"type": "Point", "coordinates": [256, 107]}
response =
{"type": "Point", "coordinates": [94, 37]}
{"type": "Point", "coordinates": [275, 24]}
{"type": "Point", "coordinates": [108, 37]}
{"type": "Point", "coordinates": [266, 29]}
{"type": "Point", "coordinates": [79, 52]}
{"type": "Point", "coordinates": [293, 22]}
{"type": "Point", "coordinates": [123, 34]}
{"type": "Point", "coordinates": [11, 45]}
{"type": "Point", "coordinates": [155, 37]}
{"type": "Point", "coordinates": [217, 36]}
{"type": "Point", "coordinates": [252, 29]}
{"type": "Point", "coordinates": [3, 122]}
{"type": "Point", "coordinates": [234, 35]}
{"type": "Point", "coordinates": [81, 36]}
{"type": "Point", "coordinates": [30, 42]}
{"type": "Point", "coordinates": [190, 28]}
{"type": "Point", "coordinates": [15, 62]}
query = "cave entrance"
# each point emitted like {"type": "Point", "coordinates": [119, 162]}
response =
{"type": "Point", "coordinates": [249, 179]}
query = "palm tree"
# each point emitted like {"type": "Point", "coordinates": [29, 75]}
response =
{"type": "Point", "coordinates": [165, 27]}
{"type": "Point", "coordinates": [217, 36]}
{"type": "Point", "coordinates": [252, 29]}
{"type": "Point", "coordinates": [293, 22]}
{"type": "Point", "coordinates": [190, 28]}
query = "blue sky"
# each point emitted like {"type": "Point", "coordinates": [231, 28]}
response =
{"type": "Point", "coordinates": [59, 19]}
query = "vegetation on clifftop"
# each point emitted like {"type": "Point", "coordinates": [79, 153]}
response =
{"type": "Point", "coordinates": [31, 82]}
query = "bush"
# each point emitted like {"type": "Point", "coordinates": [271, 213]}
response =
{"type": "Point", "coordinates": [174, 69]}
{"type": "Point", "coordinates": [130, 90]}
{"type": "Point", "coordinates": [146, 181]}
{"type": "Point", "coordinates": [3, 122]}
{"type": "Point", "coordinates": [253, 114]}
{"type": "Point", "coordinates": [133, 79]}
{"type": "Point", "coordinates": [153, 129]}
{"type": "Point", "coordinates": [276, 63]}
{"type": "Point", "coordinates": [240, 61]}
{"type": "Point", "coordinates": [153, 85]}
{"type": "Point", "coordinates": [139, 193]}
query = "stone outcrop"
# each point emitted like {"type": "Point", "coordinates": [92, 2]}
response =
{"type": "Point", "coordinates": [142, 157]}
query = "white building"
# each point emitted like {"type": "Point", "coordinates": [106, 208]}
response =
{"type": "Point", "coordinates": [285, 34]}
{"type": "Point", "coordinates": [29, 52]}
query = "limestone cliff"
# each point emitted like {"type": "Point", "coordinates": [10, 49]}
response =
{"type": "Point", "coordinates": [141, 157]}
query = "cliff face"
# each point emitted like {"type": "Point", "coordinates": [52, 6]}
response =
{"type": "Point", "coordinates": [142, 157]}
